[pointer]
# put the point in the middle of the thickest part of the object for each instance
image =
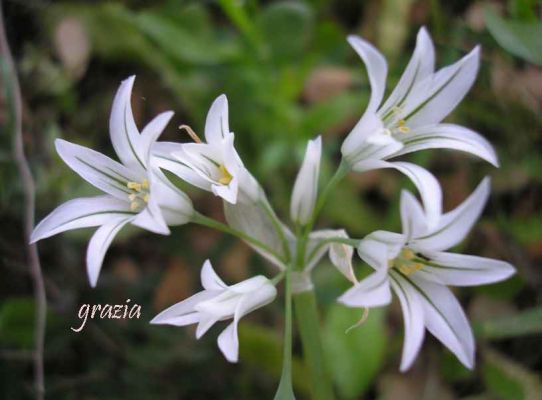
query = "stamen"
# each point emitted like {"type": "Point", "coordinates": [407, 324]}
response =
{"type": "Point", "coordinates": [191, 133]}
{"type": "Point", "coordinates": [404, 262]}
{"type": "Point", "coordinates": [134, 186]}
{"type": "Point", "coordinates": [361, 321]}
{"type": "Point", "coordinates": [410, 268]}
{"type": "Point", "coordinates": [407, 253]}
{"type": "Point", "coordinates": [145, 184]}
{"type": "Point", "coordinates": [402, 126]}
{"type": "Point", "coordinates": [146, 198]}
{"type": "Point", "coordinates": [225, 177]}
{"type": "Point", "coordinates": [134, 205]}
{"type": "Point", "coordinates": [132, 196]}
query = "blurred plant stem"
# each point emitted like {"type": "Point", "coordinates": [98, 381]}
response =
{"type": "Point", "coordinates": [308, 324]}
{"type": "Point", "coordinates": [285, 390]}
{"type": "Point", "coordinates": [13, 98]}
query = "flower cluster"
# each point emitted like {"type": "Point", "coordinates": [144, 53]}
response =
{"type": "Point", "coordinates": [413, 264]}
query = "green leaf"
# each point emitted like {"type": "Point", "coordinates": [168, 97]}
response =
{"type": "Point", "coordinates": [287, 28]}
{"type": "Point", "coordinates": [508, 379]}
{"type": "Point", "coordinates": [357, 356]}
{"type": "Point", "coordinates": [517, 37]}
{"type": "Point", "coordinates": [528, 322]}
{"type": "Point", "coordinates": [183, 44]}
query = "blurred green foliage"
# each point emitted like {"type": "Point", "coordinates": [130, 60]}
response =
{"type": "Point", "coordinates": [289, 75]}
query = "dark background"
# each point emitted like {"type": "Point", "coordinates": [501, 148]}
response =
{"type": "Point", "coordinates": [289, 74]}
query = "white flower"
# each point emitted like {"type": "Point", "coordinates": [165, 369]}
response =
{"type": "Point", "coordinates": [219, 302]}
{"type": "Point", "coordinates": [306, 184]}
{"type": "Point", "coordinates": [417, 268]}
{"type": "Point", "coordinates": [136, 191]}
{"type": "Point", "coordinates": [409, 120]}
{"type": "Point", "coordinates": [214, 166]}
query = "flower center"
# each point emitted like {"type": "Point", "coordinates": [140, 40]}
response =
{"type": "Point", "coordinates": [405, 263]}
{"type": "Point", "coordinates": [225, 176]}
{"type": "Point", "coordinates": [394, 122]}
{"type": "Point", "coordinates": [139, 194]}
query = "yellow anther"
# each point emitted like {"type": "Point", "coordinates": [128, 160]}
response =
{"type": "Point", "coordinates": [145, 184]}
{"type": "Point", "coordinates": [410, 268]}
{"type": "Point", "coordinates": [146, 197]}
{"type": "Point", "coordinates": [225, 176]}
{"type": "Point", "coordinates": [402, 126]}
{"type": "Point", "coordinates": [191, 133]}
{"type": "Point", "coordinates": [134, 206]}
{"type": "Point", "coordinates": [134, 186]}
{"type": "Point", "coordinates": [132, 196]}
{"type": "Point", "coordinates": [407, 253]}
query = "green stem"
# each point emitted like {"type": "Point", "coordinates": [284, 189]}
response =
{"type": "Point", "coordinates": [309, 329]}
{"type": "Point", "coordinates": [341, 172]}
{"type": "Point", "coordinates": [277, 225]}
{"type": "Point", "coordinates": [214, 224]}
{"type": "Point", "coordinates": [285, 390]}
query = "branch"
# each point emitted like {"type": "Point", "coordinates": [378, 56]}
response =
{"type": "Point", "coordinates": [12, 87]}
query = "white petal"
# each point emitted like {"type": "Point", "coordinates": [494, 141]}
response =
{"type": "Point", "coordinates": [175, 205]}
{"type": "Point", "coordinates": [150, 134]}
{"type": "Point", "coordinates": [454, 225]}
{"type": "Point", "coordinates": [436, 96]}
{"type": "Point", "coordinates": [183, 308]}
{"type": "Point", "coordinates": [306, 184]}
{"type": "Point", "coordinates": [445, 319]}
{"type": "Point", "coordinates": [377, 69]}
{"type": "Point", "coordinates": [169, 156]}
{"type": "Point", "coordinates": [228, 342]}
{"type": "Point", "coordinates": [80, 213]}
{"type": "Point", "coordinates": [341, 257]}
{"type": "Point", "coordinates": [205, 322]}
{"type": "Point", "coordinates": [209, 279]}
{"type": "Point", "coordinates": [413, 317]}
{"type": "Point", "coordinates": [227, 192]}
{"type": "Point", "coordinates": [373, 291]}
{"type": "Point", "coordinates": [374, 253]}
{"type": "Point", "coordinates": [216, 124]}
{"type": "Point", "coordinates": [188, 319]}
{"type": "Point", "coordinates": [448, 136]}
{"type": "Point", "coordinates": [426, 183]}
{"type": "Point", "coordinates": [355, 142]}
{"type": "Point", "coordinates": [123, 130]}
{"type": "Point", "coordinates": [412, 216]}
{"type": "Point", "coordinates": [97, 169]}
{"type": "Point", "coordinates": [394, 241]}
{"type": "Point", "coordinates": [98, 245]}
{"type": "Point", "coordinates": [421, 65]}
{"type": "Point", "coordinates": [464, 270]}
{"type": "Point", "coordinates": [315, 238]}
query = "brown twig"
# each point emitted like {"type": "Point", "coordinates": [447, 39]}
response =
{"type": "Point", "coordinates": [29, 191]}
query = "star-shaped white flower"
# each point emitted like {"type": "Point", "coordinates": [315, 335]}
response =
{"type": "Point", "coordinates": [410, 119]}
{"type": "Point", "coordinates": [219, 302]}
{"type": "Point", "coordinates": [418, 269]}
{"type": "Point", "coordinates": [136, 190]}
{"type": "Point", "coordinates": [215, 165]}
